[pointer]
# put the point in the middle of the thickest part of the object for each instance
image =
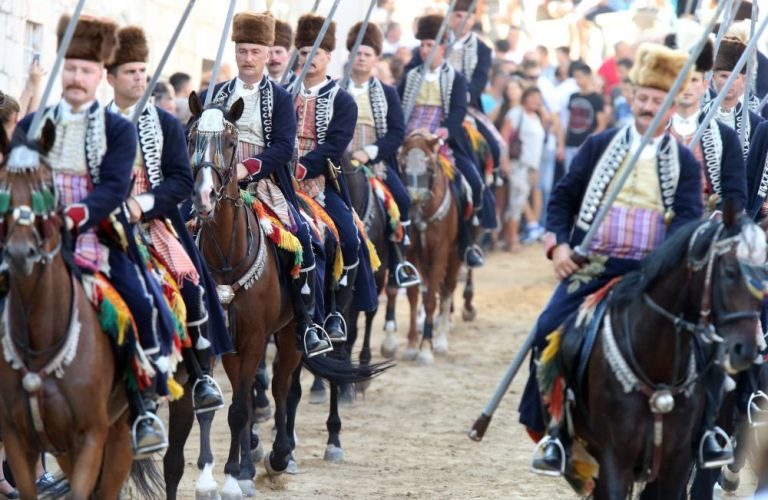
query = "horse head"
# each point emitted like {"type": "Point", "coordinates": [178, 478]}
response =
{"type": "Point", "coordinates": [30, 229]}
{"type": "Point", "coordinates": [212, 140]}
{"type": "Point", "coordinates": [419, 164]}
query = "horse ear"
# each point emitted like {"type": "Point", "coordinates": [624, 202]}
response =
{"type": "Point", "coordinates": [433, 142]}
{"type": "Point", "coordinates": [47, 137]}
{"type": "Point", "coordinates": [730, 214]}
{"type": "Point", "coordinates": [195, 106]}
{"type": "Point", "coordinates": [236, 111]}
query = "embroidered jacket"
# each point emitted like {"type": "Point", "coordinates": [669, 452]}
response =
{"type": "Point", "coordinates": [738, 119]}
{"type": "Point", "coordinates": [578, 196]}
{"type": "Point", "coordinates": [757, 171]}
{"type": "Point", "coordinates": [723, 164]}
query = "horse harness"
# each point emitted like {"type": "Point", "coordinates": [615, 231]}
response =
{"type": "Point", "coordinates": [661, 397]}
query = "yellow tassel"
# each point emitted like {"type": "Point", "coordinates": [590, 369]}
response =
{"type": "Point", "coordinates": [553, 346]}
{"type": "Point", "coordinates": [375, 260]}
{"type": "Point", "coordinates": [338, 265]}
{"type": "Point", "coordinates": [175, 390]}
{"type": "Point", "coordinates": [446, 167]}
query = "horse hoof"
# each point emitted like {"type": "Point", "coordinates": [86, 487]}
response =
{"type": "Point", "coordinates": [206, 486]}
{"type": "Point", "coordinates": [389, 347]}
{"type": "Point", "coordinates": [728, 480]}
{"type": "Point", "coordinates": [347, 395]}
{"type": "Point", "coordinates": [271, 470]}
{"type": "Point", "coordinates": [411, 354]}
{"type": "Point", "coordinates": [469, 314]}
{"type": "Point", "coordinates": [333, 454]}
{"type": "Point", "coordinates": [206, 495]}
{"type": "Point", "coordinates": [262, 414]}
{"type": "Point", "coordinates": [361, 387]}
{"type": "Point", "coordinates": [257, 454]}
{"type": "Point", "coordinates": [248, 487]}
{"type": "Point", "coordinates": [441, 345]}
{"type": "Point", "coordinates": [317, 397]}
{"type": "Point", "coordinates": [231, 489]}
{"type": "Point", "coordinates": [425, 358]}
{"type": "Point", "coordinates": [293, 468]}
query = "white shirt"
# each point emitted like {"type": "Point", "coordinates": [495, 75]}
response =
{"type": "Point", "coordinates": [685, 127]}
{"type": "Point", "coordinates": [314, 90]}
{"type": "Point", "coordinates": [650, 149]}
{"type": "Point", "coordinates": [356, 89]}
{"type": "Point", "coordinates": [532, 135]}
{"type": "Point", "coordinates": [67, 113]}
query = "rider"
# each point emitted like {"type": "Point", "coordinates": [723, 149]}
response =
{"type": "Point", "coordinates": [162, 179]}
{"type": "Point", "coordinates": [326, 117]}
{"type": "Point", "coordinates": [378, 134]}
{"type": "Point", "coordinates": [440, 107]}
{"type": "Point", "coordinates": [280, 52]}
{"type": "Point", "coordinates": [92, 160]}
{"type": "Point", "coordinates": [646, 210]}
{"type": "Point", "coordinates": [267, 129]}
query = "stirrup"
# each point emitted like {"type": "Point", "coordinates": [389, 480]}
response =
{"type": "Point", "coordinates": [142, 453]}
{"type": "Point", "coordinates": [322, 334]}
{"type": "Point", "coordinates": [412, 271]}
{"type": "Point", "coordinates": [716, 432]}
{"type": "Point", "coordinates": [218, 388]}
{"type": "Point", "coordinates": [756, 416]}
{"type": "Point", "coordinates": [343, 326]}
{"type": "Point", "coordinates": [538, 451]}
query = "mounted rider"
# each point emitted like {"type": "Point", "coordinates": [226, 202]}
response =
{"type": "Point", "coordinates": [162, 179]}
{"type": "Point", "coordinates": [379, 133]}
{"type": "Point", "coordinates": [326, 117]}
{"type": "Point", "coordinates": [719, 151]}
{"type": "Point", "coordinates": [280, 52]}
{"type": "Point", "coordinates": [662, 194]}
{"type": "Point", "coordinates": [267, 129]}
{"type": "Point", "coordinates": [92, 160]}
{"type": "Point", "coordinates": [441, 106]}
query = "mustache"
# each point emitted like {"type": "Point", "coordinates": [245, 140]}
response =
{"type": "Point", "coordinates": [76, 87]}
{"type": "Point", "coordinates": [646, 113]}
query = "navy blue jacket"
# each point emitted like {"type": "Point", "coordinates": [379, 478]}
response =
{"type": "Point", "coordinates": [756, 169]}
{"type": "Point", "coordinates": [730, 167]}
{"type": "Point", "coordinates": [565, 202]}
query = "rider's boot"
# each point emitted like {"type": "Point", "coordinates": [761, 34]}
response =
{"type": "Point", "coordinates": [404, 273]}
{"type": "Point", "coordinates": [472, 254]}
{"type": "Point", "coordinates": [206, 394]}
{"type": "Point", "coordinates": [148, 433]}
{"type": "Point", "coordinates": [312, 339]}
{"type": "Point", "coordinates": [713, 454]}
{"type": "Point", "coordinates": [334, 323]}
{"type": "Point", "coordinates": [551, 454]}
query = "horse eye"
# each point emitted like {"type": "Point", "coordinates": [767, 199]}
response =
{"type": "Point", "coordinates": [731, 272]}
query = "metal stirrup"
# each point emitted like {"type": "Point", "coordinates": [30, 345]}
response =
{"type": "Point", "coordinates": [322, 334]}
{"type": "Point", "coordinates": [343, 326]}
{"type": "Point", "coordinates": [411, 269]}
{"type": "Point", "coordinates": [145, 452]}
{"type": "Point", "coordinates": [539, 449]}
{"type": "Point", "coordinates": [218, 388]}
{"type": "Point", "coordinates": [717, 432]}
{"type": "Point", "coordinates": [756, 416]}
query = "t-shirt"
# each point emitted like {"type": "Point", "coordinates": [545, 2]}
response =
{"type": "Point", "coordinates": [582, 117]}
{"type": "Point", "coordinates": [532, 136]}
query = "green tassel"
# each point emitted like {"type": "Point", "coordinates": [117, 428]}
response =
{"type": "Point", "coordinates": [49, 200]}
{"type": "Point", "coordinates": [247, 198]}
{"type": "Point", "coordinates": [38, 203]}
{"type": "Point", "coordinates": [5, 201]}
{"type": "Point", "coordinates": [108, 319]}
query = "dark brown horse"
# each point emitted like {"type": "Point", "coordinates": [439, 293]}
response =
{"type": "Point", "coordinates": [54, 348]}
{"type": "Point", "coordinates": [434, 250]}
{"type": "Point", "coordinates": [692, 294]}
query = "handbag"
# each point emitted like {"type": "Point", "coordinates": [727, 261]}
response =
{"type": "Point", "coordinates": [515, 144]}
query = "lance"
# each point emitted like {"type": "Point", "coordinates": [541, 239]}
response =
{"type": "Point", "coordinates": [295, 53]}
{"type": "Point", "coordinates": [478, 429]}
{"type": "Point", "coordinates": [748, 80]}
{"type": "Point", "coordinates": [431, 57]}
{"type": "Point", "coordinates": [463, 25]}
{"type": "Point", "coordinates": [356, 46]}
{"type": "Point", "coordinates": [156, 76]}
{"type": "Point", "coordinates": [33, 131]}
{"type": "Point", "coordinates": [313, 50]}
{"type": "Point", "coordinates": [220, 53]}
{"type": "Point", "coordinates": [715, 104]}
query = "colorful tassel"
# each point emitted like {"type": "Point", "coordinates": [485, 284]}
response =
{"type": "Point", "coordinates": [175, 391]}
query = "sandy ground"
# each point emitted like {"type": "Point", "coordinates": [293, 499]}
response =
{"type": "Point", "coordinates": [408, 437]}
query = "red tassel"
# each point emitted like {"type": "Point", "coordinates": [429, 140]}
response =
{"type": "Point", "coordinates": [535, 435]}
{"type": "Point", "coordinates": [556, 400]}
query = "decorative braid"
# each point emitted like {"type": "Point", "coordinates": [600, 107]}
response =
{"type": "Point", "coordinates": [151, 144]}
{"type": "Point", "coordinates": [324, 112]}
{"type": "Point", "coordinates": [267, 103]}
{"type": "Point", "coordinates": [379, 107]}
{"type": "Point", "coordinates": [96, 142]}
{"type": "Point", "coordinates": [712, 149]}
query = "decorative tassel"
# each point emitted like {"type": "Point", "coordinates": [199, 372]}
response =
{"type": "Point", "coordinates": [175, 390]}
{"type": "Point", "coordinates": [5, 201]}
{"type": "Point", "coordinates": [375, 260]}
{"type": "Point", "coordinates": [338, 266]}
{"type": "Point", "coordinates": [591, 301]}
{"type": "Point", "coordinates": [445, 166]}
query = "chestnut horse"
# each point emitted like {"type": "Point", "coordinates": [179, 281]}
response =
{"type": "Point", "coordinates": [54, 348]}
{"type": "Point", "coordinates": [434, 249]}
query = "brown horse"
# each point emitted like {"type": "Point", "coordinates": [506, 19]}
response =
{"type": "Point", "coordinates": [54, 348]}
{"type": "Point", "coordinates": [434, 250]}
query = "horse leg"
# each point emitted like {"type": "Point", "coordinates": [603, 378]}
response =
{"type": "Point", "coordinates": [287, 363]}
{"type": "Point", "coordinates": [22, 459]}
{"type": "Point", "coordinates": [261, 409]}
{"type": "Point", "coordinates": [365, 352]}
{"type": "Point", "coordinates": [347, 391]}
{"type": "Point", "coordinates": [469, 313]}
{"type": "Point", "coordinates": [317, 394]}
{"type": "Point", "coordinates": [412, 351]}
{"type": "Point", "coordinates": [180, 419]}
{"type": "Point", "coordinates": [294, 396]}
{"type": "Point", "coordinates": [251, 357]}
{"type": "Point", "coordinates": [446, 304]}
{"type": "Point", "coordinates": [615, 478]}
{"type": "Point", "coordinates": [118, 457]}
{"type": "Point", "coordinates": [333, 451]}
{"type": "Point", "coordinates": [389, 344]}
{"type": "Point", "coordinates": [436, 274]}
{"type": "Point", "coordinates": [88, 457]}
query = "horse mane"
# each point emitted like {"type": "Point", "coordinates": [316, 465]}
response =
{"type": "Point", "coordinates": [659, 263]}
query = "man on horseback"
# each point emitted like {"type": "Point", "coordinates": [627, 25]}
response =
{"type": "Point", "coordinates": [379, 133]}
{"type": "Point", "coordinates": [326, 117]}
{"type": "Point", "coordinates": [92, 160]}
{"type": "Point", "coordinates": [280, 52]}
{"type": "Point", "coordinates": [162, 179]}
{"type": "Point", "coordinates": [441, 106]}
{"type": "Point", "coordinates": [266, 133]}
{"type": "Point", "coordinates": [662, 194]}
{"type": "Point", "coordinates": [719, 150]}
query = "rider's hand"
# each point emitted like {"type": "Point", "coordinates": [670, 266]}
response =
{"type": "Point", "coordinates": [134, 210]}
{"type": "Point", "coordinates": [562, 262]}
{"type": "Point", "coordinates": [242, 172]}
{"type": "Point", "coordinates": [361, 156]}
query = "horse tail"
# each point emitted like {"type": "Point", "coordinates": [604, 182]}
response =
{"type": "Point", "coordinates": [340, 372]}
{"type": "Point", "coordinates": [147, 479]}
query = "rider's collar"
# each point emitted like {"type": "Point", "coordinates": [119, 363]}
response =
{"type": "Point", "coordinates": [246, 89]}
{"type": "Point", "coordinates": [68, 113]}
{"type": "Point", "coordinates": [650, 149]}
{"type": "Point", "coordinates": [315, 89]}
{"type": "Point", "coordinates": [125, 112]}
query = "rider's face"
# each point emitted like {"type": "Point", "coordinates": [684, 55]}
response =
{"type": "Point", "coordinates": [251, 59]}
{"type": "Point", "coordinates": [80, 79]}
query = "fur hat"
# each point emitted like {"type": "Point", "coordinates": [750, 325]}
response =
{"type": "Point", "coordinates": [657, 66]}
{"type": "Point", "coordinates": [253, 28]}
{"type": "Point", "coordinates": [373, 37]}
{"type": "Point", "coordinates": [731, 49]}
{"type": "Point", "coordinates": [428, 27]}
{"type": "Point", "coordinates": [685, 37]}
{"type": "Point", "coordinates": [309, 27]}
{"type": "Point", "coordinates": [132, 46]}
{"type": "Point", "coordinates": [283, 34]}
{"type": "Point", "coordinates": [462, 5]}
{"type": "Point", "coordinates": [744, 11]}
{"type": "Point", "coordinates": [93, 40]}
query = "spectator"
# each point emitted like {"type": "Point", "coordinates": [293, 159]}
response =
{"type": "Point", "coordinates": [30, 96]}
{"type": "Point", "coordinates": [563, 57]}
{"type": "Point", "coordinates": [393, 34]}
{"type": "Point", "coordinates": [165, 98]}
{"type": "Point", "coordinates": [586, 113]}
{"type": "Point", "coordinates": [500, 49]}
{"type": "Point", "coordinates": [383, 70]}
{"type": "Point", "coordinates": [9, 115]}
{"type": "Point", "coordinates": [622, 109]}
{"type": "Point", "coordinates": [511, 98]}
{"type": "Point", "coordinates": [547, 68]}
{"type": "Point", "coordinates": [609, 71]}
{"type": "Point", "coordinates": [182, 85]}
{"type": "Point", "coordinates": [493, 95]}
{"type": "Point", "coordinates": [525, 123]}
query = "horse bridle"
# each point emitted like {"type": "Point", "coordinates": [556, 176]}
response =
{"type": "Point", "coordinates": [226, 178]}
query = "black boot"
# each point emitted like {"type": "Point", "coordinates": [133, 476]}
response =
{"type": "Point", "coordinates": [334, 324]}
{"type": "Point", "coordinates": [148, 434]}
{"type": "Point", "coordinates": [551, 460]}
{"type": "Point", "coordinates": [473, 255]}
{"type": "Point", "coordinates": [711, 454]}
{"type": "Point", "coordinates": [403, 272]}
{"type": "Point", "coordinates": [206, 394]}
{"type": "Point", "coordinates": [310, 341]}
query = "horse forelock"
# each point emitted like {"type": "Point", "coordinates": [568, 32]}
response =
{"type": "Point", "coordinates": [211, 121]}
{"type": "Point", "coordinates": [752, 246]}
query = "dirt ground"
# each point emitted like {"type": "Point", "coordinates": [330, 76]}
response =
{"type": "Point", "coordinates": [408, 437]}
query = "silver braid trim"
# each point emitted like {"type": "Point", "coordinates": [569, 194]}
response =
{"type": "Point", "coordinates": [151, 144]}
{"type": "Point", "coordinates": [267, 104]}
{"type": "Point", "coordinates": [669, 170]}
{"type": "Point", "coordinates": [379, 107]}
{"type": "Point", "coordinates": [96, 142]}
{"type": "Point", "coordinates": [712, 150]}
{"type": "Point", "coordinates": [747, 127]}
{"type": "Point", "coordinates": [470, 56]}
{"type": "Point", "coordinates": [324, 112]}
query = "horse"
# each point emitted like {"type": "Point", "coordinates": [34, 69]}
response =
{"type": "Point", "coordinates": [48, 364]}
{"type": "Point", "coordinates": [247, 268]}
{"type": "Point", "coordinates": [434, 251]}
{"type": "Point", "coordinates": [692, 306]}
